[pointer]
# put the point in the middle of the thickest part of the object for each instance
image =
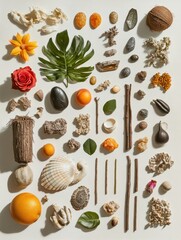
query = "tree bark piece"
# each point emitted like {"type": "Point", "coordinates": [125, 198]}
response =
{"type": "Point", "coordinates": [23, 138]}
{"type": "Point", "coordinates": [127, 197]}
{"type": "Point", "coordinates": [128, 118]}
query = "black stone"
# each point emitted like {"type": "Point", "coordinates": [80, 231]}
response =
{"type": "Point", "coordinates": [59, 98]}
{"type": "Point", "coordinates": [130, 45]}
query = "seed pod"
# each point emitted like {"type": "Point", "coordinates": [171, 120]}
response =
{"type": "Point", "coordinates": [162, 106]}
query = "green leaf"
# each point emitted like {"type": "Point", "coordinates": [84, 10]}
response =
{"type": "Point", "coordinates": [90, 146]}
{"type": "Point", "coordinates": [62, 40]}
{"type": "Point", "coordinates": [66, 64]}
{"type": "Point", "coordinates": [89, 220]}
{"type": "Point", "coordinates": [109, 106]}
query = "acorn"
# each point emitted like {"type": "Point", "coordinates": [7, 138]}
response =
{"type": "Point", "coordinates": [159, 18]}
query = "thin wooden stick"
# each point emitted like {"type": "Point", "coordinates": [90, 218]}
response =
{"type": "Point", "coordinates": [127, 198]}
{"type": "Point", "coordinates": [135, 175]}
{"type": "Point", "coordinates": [135, 214]}
{"type": "Point", "coordinates": [96, 173]}
{"type": "Point", "coordinates": [97, 114]}
{"type": "Point", "coordinates": [115, 176]}
{"type": "Point", "coordinates": [128, 118]}
{"type": "Point", "coordinates": [106, 175]}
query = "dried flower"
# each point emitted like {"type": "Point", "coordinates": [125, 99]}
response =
{"type": "Point", "coordinates": [160, 162]}
{"type": "Point", "coordinates": [22, 46]}
{"type": "Point", "coordinates": [157, 51]}
{"type": "Point", "coordinates": [163, 81]}
{"type": "Point", "coordinates": [150, 186]}
{"type": "Point", "coordinates": [110, 34]}
{"type": "Point", "coordinates": [23, 79]}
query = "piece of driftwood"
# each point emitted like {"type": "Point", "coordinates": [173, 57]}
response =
{"type": "Point", "coordinates": [107, 66]}
{"type": "Point", "coordinates": [23, 138]}
{"type": "Point", "coordinates": [128, 118]}
{"type": "Point", "coordinates": [58, 126]}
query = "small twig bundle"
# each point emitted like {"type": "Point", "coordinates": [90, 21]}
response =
{"type": "Point", "coordinates": [23, 138]}
{"type": "Point", "coordinates": [97, 114]}
{"type": "Point", "coordinates": [128, 118]}
{"type": "Point", "coordinates": [95, 183]}
{"type": "Point", "coordinates": [136, 175]}
{"type": "Point", "coordinates": [127, 198]}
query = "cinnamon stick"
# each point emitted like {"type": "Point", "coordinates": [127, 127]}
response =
{"type": "Point", "coordinates": [135, 214]}
{"type": "Point", "coordinates": [136, 175]}
{"type": "Point", "coordinates": [127, 198]}
{"type": "Point", "coordinates": [106, 175]}
{"type": "Point", "coordinates": [96, 173]}
{"type": "Point", "coordinates": [115, 176]}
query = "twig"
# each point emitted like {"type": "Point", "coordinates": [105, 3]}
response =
{"type": "Point", "coordinates": [135, 214]}
{"type": "Point", "coordinates": [115, 176]}
{"type": "Point", "coordinates": [106, 175]}
{"type": "Point", "coordinates": [135, 175]}
{"type": "Point", "coordinates": [97, 114]}
{"type": "Point", "coordinates": [95, 191]}
{"type": "Point", "coordinates": [128, 118]}
{"type": "Point", "coordinates": [127, 198]}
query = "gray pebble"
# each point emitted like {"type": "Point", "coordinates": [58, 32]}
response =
{"type": "Point", "coordinates": [134, 58]}
{"type": "Point", "coordinates": [125, 72]}
{"type": "Point", "coordinates": [143, 113]}
{"type": "Point", "coordinates": [130, 45]}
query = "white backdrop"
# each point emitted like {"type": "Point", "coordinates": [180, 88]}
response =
{"type": "Point", "coordinates": [43, 228]}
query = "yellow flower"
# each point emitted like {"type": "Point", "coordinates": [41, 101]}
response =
{"type": "Point", "coordinates": [23, 46]}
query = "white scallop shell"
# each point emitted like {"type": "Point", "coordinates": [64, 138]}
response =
{"type": "Point", "coordinates": [109, 125]}
{"type": "Point", "coordinates": [58, 174]}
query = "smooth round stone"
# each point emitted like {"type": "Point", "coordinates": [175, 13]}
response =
{"type": "Point", "coordinates": [130, 45]}
{"type": "Point", "coordinates": [59, 98]}
{"type": "Point", "coordinates": [125, 72]}
{"type": "Point", "coordinates": [134, 58]}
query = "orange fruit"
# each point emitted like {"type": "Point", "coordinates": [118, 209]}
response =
{"type": "Point", "coordinates": [80, 20]}
{"type": "Point", "coordinates": [49, 149]}
{"type": "Point", "coordinates": [83, 96]}
{"type": "Point", "coordinates": [95, 20]}
{"type": "Point", "coordinates": [25, 208]}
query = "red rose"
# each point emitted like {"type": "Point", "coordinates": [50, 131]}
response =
{"type": "Point", "coordinates": [23, 79]}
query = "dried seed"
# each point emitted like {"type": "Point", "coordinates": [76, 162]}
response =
{"type": "Point", "coordinates": [113, 17]}
{"type": "Point", "coordinates": [93, 80]}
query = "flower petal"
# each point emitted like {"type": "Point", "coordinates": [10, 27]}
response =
{"type": "Point", "coordinates": [15, 43]}
{"type": "Point", "coordinates": [26, 38]}
{"type": "Point", "coordinates": [19, 38]}
{"type": "Point", "coordinates": [24, 55]}
{"type": "Point", "coordinates": [30, 52]}
{"type": "Point", "coordinates": [16, 51]}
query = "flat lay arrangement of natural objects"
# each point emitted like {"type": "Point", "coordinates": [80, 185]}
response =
{"type": "Point", "coordinates": [69, 61]}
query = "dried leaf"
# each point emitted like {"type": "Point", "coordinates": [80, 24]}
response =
{"type": "Point", "coordinates": [90, 146]}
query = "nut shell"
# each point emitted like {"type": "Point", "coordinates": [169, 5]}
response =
{"type": "Point", "coordinates": [159, 18]}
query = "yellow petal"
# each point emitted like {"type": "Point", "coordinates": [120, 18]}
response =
{"type": "Point", "coordinates": [24, 55]}
{"type": "Point", "coordinates": [26, 38]}
{"type": "Point", "coordinates": [19, 38]}
{"type": "Point", "coordinates": [30, 52]}
{"type": "Point", "coordinates": [16, 51]}
{"type": "Point", "coordinates": [32, 44]}
{"type": "Point", "coordinates": [15, 43]}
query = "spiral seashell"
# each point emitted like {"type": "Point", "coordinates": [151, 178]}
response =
{"type": "Point", "coordinates": [58, 174]}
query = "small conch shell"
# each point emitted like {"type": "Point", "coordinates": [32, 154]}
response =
{"type": "Point", "coordinates": [58, 174]}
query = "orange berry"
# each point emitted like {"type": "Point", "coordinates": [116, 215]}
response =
{"type": "Point", "coordinates": [83, 97]}
{"type": "Point", "coordinates": [95, 20]}
{"type": "Point", "coordinates": [80, 20]}
{"type": "Point", "coordinates": [49, 149]}
{"type": "Point", "coordinates": [25, 208]}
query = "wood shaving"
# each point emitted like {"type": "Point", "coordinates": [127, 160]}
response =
{"type": "Point", "coordinates": [83, 124]}
{"type": "Point", "coordinates": [36, 16]}
{"type": "Point", "coordinates": [24, 103]}
{"type": "Point", "coordinates": [157, 51]}
{"type": "Point", "coordinates": [160, 162]}
{"type": "Point", "coordinates": [159, 213]}
{"type": "Point", "coordinates": [102, 86]}
{"type": "Point", "coordinates": [39, 112]}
